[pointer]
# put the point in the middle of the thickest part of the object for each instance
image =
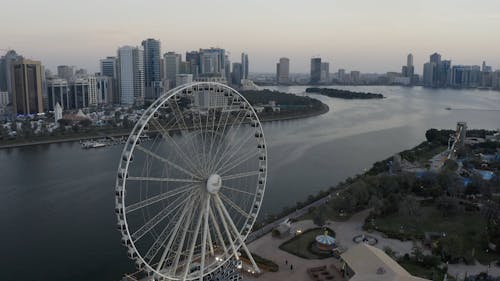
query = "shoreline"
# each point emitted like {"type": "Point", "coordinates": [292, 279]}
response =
{"type": "Point", "coordinates": [325, 108]}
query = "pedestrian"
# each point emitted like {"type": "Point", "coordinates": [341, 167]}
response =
{"type": "Point", "coordinates": [291, 267]}
{"type": "Point", "coordinates": [286, 261]}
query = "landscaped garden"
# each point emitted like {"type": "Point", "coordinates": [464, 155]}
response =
{"type": "Point", "coordinates": [463, 234]}
{"type": "Point", "coordinates": [301, 245]}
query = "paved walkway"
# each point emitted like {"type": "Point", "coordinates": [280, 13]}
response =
{"type": "Point", "coordinates": [268, 247]}
{"type": "Point", "coordinates": [461, 270]}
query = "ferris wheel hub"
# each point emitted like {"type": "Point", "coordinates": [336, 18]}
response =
{"type": "Point", "coordinates": [214, 183]}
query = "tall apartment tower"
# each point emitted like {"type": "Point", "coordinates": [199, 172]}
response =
{"type": "Point", "coordinates": [109, 69]}
{"type": "Point", "coordinates": [131, 75]}
{"type": "Point", "coordinates": [315, 70]}
{"type": "Point", "coordinates": [152, 68]}
{"type": "Point", "coordinates": [244, 66]}
{"type": "Point", "coordinates": [172, 62]}
{"type": "Point", "coordinates": [6, 62]}
{"type": "Point", "coordinates": [283, 71]}
{"type": "Point", "coordinates": [325, 72]}
{"type": "Point", "coordinates": [26, 82]}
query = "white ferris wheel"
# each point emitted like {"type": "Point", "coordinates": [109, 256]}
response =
{"type": "Point", "coordinates": [191, 181]}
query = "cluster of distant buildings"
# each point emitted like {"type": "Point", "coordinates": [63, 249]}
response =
{"type": "Point", "coordinates": [440, 73]}
{"type": "Point", "coordinates": [135, 75]}
{"type": "Point", "coordinates": [437, 73]}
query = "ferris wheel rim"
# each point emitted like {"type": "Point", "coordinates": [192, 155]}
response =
{"type": "Point", "coordinates": [139, 129]}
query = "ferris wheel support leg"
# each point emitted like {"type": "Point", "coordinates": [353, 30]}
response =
{"type": "Point", "coordinates": [204, 238]}
{"type": "Point", "coordinates": [224, 224]}
{"type": "Point", "coordinates": [193, 244]}
{"type": "Point", "coordinates": [217, 231]}
{"type": "Point", "coordinates": [210, 242]}
{"type": "Point", "coordinates": [219, 201]}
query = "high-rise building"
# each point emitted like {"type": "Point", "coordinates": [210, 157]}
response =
{"type": "Point", "coordinates": [104, 88]}
{"type": "Point", "coordinates": [325, 72]}
{"type": "Point", "coordinates": [152, 78]}
{"type": "Point", "coordinates": [82, 92]}
{"type": "Point", "coordinates": [437, 72]}
{"type": "Point", "coordinates": [26, 79]}
{"type": "Point", "coordinates": [172, 66]}
{"type": "Point", "coordinates": [213, 62]}
{"type": "Point", "coordinates": [355, 77]}
{"type": "Point", "coordinates": [466, 76]}
{"type": "Point", "coordinates": [109, 68]}
{"type": "Point", "coordinates": [183, 78]}
{"type": "Point", "coordinates": [131, 75]}
{"type": "Point", "coordinates": [237, 73]}
{"type": "Point", "coordinates": [341, 76]}
{"type": "Point", "coordinates": [244, 66]}
{"type": "Point", "coordinates": [315, 70]}
{"type": "Point", "coordinates": [283, 71]}
{"type": "Point", "coordinates": [428, 74]}
{"type": "Point", "coordinates": [408, 70]}
{"type": "Point", "coordinates": [65, 72]}
{"type": "Point", "coordinates": [193, 63]}
{"type": "Point", "coordinates": [58, 93]}
{"type": "Point", "coordinates": [6, 62]}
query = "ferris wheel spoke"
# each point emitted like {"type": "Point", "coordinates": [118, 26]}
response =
{"type": "Point", "coordinates": [228, 114]}
{"type": "Point", "coordinates": [232, 154]}
{"type": "Point", "coordinates": [231, 223]}
{"type": "Point", "coordinates": [237, 190]}
{"type": "Point", "coordinates": [240, 175]}
{"type": "Point", "coordinates": [154, 155]}
{"type": "Point", "coordinates": [177, 148]}
{"type": "Point", "coordinates": [163, 179]}
{"type": "Point", "coordinates": [234, 205]}
{"type": "Point", "coordinates": [182, 121]}
{"type": "Point", "coordinates": [159, 197]}
{"type": "Point", "coordinates": [180, 245]}
{"type": "Point", "coordinates": [171, 240]}
{"type": "Point", "coordinates": [164, 235]}
{"type": "Point", "coordinates": [157, 219]}
{"type": "Point", "coordinates": [212, 165]}
{"type": "Point", "coordinates": [230, 165]}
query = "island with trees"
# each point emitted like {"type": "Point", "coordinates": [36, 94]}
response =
{"type": "Point", "coordinates": [343, 94]}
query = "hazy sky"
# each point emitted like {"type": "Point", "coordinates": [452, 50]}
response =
{"type": "Point", "coordinates": [366, 35]}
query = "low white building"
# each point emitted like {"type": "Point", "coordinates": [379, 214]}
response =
{"type": "Point", "coordinates": [57, 113]}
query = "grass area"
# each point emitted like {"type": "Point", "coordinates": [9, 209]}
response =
{"type": "Point", "coordinates": [263, 263]}
{"type": "Point", "coordinates": [468, 227]}
{"type": "Point", "coordinates": [420, 271]}
{"type": "Point", "coordinates": [300, 244]}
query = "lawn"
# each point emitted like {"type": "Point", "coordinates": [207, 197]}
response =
{"type": "Point", "coordinates": [328, 212]}
{"type": "Point", "coordinates": [420, 271]}
{"type": "Point", "coordinates": [469, 227]}
{"type": "Point", "coordinates": [300, 244]}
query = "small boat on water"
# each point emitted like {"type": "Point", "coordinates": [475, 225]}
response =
{"type": "Point", "coordinates": [448, 108]}
{"type": "Point", "coordinates": [92, 144]}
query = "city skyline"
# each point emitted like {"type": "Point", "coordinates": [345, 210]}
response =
{"type": "Point", "coordinates": [345, 35]}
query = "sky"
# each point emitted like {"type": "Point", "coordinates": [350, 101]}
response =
{"type": "Point", "coordinates": [365, 35]}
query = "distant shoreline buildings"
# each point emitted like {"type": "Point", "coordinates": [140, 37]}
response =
{"type": "Point", "coordinates": [139, 74]}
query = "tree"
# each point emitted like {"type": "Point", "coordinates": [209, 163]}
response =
{"type": "Point", "coordinates": [319, 216]}
{"type": "Point", "coordinates": [85, 123]}
{"type": "Point", "coordinates": [64, 122]}
{"type": "Point", "coordinates": [452, 247]}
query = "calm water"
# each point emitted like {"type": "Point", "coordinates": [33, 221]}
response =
{"type": "Point", "coordinates": [56, 201]}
